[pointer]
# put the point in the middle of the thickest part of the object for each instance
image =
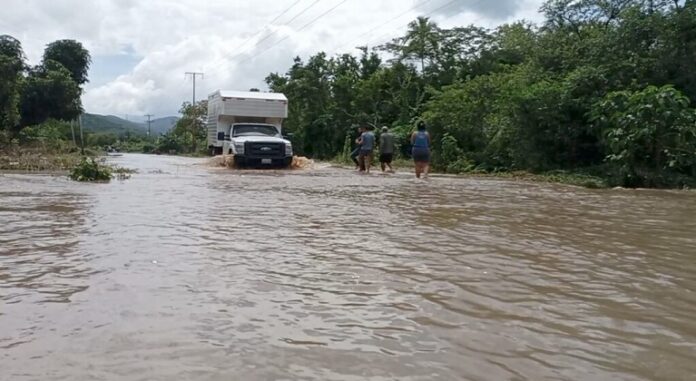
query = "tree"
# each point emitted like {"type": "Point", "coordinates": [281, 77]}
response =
{"type": "Point", "coordinates": [520, 97]}
{"type": "Point", "coordinates": [421, 42]}
{"type": "Point", "coordinates": [11, 68]}
{"type": "Point", "coordinates": [49, 92]}
{"type": "Point", "coordinates": [190, 128]}
{"type": "Point", "coordinates": [369, 62]}
{"type": "Point", "coordinates": [73, 56]}
{"type": "Point", "coordinates": [649, 134]}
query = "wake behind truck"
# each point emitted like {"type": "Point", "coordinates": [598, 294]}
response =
{"type": "Point", "coordinates": [248, 125]}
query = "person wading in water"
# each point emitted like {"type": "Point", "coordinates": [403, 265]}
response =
{"type": "Point", "coordinates": [386, 149]}
{"type": "Point", "coordinates": [355, 155]}
{"type": "Point", "coordinates": [420, 141]}
{"type": "Point", "coordinates": [367, 145]}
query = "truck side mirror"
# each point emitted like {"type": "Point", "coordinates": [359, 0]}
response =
{"type": "Point", "coordinates": [289, 135]}
{"type": "Point", "coordinates": [221, 135]}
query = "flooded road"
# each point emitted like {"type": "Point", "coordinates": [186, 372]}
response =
{"type": "Point", "coordinates": [190, 272]}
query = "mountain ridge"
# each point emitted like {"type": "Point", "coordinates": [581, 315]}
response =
{"type": "Point", "coordinates": [105, 124]}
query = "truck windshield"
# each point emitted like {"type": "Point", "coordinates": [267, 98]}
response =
{"type": "Point", "coordinates": [254, 130]}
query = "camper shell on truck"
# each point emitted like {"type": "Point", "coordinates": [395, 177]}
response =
{"type": "Point", "coordinates": [248, 125]}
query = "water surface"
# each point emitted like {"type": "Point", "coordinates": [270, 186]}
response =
{"type": "Point", "coordinates": [187, 271]}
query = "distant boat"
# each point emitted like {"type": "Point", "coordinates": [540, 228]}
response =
{"type": "Point", "coordinates": [114, 154]}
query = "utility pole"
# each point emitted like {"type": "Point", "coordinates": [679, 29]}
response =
{"type": "Point", "coordinates": [193, 75]}
{"type": "Point", "coordinates": [148, 123]}
{"type": "Point", "coordinates": [72, 128]}
{"type": "Point", "coordinates": [82, 136]}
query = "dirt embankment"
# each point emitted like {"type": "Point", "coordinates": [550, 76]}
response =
{"type": "Point", "coordinates": [37, 160]}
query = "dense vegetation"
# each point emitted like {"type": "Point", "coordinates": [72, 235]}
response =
{"type": "Point", "coordinates": [603, 87]}
{"type": "Point", "coordinates": [90, 170]}
{"type": "Point", "coordinates": [50, 90]}
{"type": "Point", "coordinates": [189, 134]}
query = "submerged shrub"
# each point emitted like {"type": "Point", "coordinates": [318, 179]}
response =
{"type": "Point", "coordinates": [90, 170]}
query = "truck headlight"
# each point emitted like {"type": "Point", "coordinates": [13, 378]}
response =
{"type": "Point", "coordinates": [239, 148]}
{"type": "Point", "coordinates": [288, 149]}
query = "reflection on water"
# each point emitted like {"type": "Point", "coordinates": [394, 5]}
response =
{"type": "Point", "coordinates": [188, 271]}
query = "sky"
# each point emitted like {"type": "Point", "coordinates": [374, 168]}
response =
{"type": "Point", "coordinates": [141, 49]}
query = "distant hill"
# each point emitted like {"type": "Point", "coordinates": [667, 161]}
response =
{"type": "Point", "coordinates": [112, 124]}
{"type": "Point", "coordinates": [162, 125]}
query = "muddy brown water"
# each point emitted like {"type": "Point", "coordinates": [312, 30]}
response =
{"type": "Point", "coordinates": [190, 272]}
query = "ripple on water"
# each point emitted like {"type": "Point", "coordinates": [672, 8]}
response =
{"type": "Point", "coordinates": [190, 271]}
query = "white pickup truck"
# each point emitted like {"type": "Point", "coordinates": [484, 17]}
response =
{"type": "Point", "coordinates": [248, 125]}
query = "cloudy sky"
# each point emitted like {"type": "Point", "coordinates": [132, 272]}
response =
{"type": "Point", "coordinates": [141, 49]}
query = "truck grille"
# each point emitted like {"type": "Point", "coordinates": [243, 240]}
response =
{"type": "Point", "coordinates": [264, 150]}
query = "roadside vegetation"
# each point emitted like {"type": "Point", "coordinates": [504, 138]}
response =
{"type": "Point", "coordinates": [601, 93]}
{"type": "Point", "coordinates": [41, 109]}
{"type": "Point", "coordinates": [89, 170]}
{"type": "Point", "coordinates": [36, 100]}
{"type": "Point", "coordinates": [188, 137]}
{"type": "Point", "coordinates": [93, 170]}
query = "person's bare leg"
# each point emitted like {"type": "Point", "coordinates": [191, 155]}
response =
{"type": "Point", "coordinates": [383, 166]}
{"type": "Point", "coordinates": [426, 169]}
{"type": "Point", "coordinates": [418, 170]}
{"type": "Point", "coordinates": [367, 163]}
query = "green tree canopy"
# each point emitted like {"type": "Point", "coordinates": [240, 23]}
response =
{"type": "Point", "coordinates": [73, 56]}
{"type": "Point", "coordinates": [11, 68]}
{"type": "Point", "coordinates": [521, 96]}
{"type": "Point", "coordinates": [49, 92]}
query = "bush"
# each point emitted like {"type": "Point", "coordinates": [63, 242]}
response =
{"type": "Point", "coordinates": [4, 138]}
{"type": "Point", "coordinates": [148, 148]}
{"type": "Point", "coordinates": [169, 143]}
{"type": "Point", "coordinates": [451, 158]}
{"type": "Point", "coordinates": [461, 165]}
{"type": "Point", "coordinates": [90, 170]}
{"type": "Point", "coordinates": [51, 135]}
{"type": "Point", "coordinates": [650, 136]}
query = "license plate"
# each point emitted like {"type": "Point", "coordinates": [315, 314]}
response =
{"type": "Point", "coordinates": [266, 161]}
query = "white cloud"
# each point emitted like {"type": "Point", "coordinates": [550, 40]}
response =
{"type": "Point", "coordinates": [173, 37]}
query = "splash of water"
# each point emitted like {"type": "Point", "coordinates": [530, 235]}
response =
{"type": "Point", "coordinates": [227, 161]}
{"type": "Point", "coordinates": [301, 162]}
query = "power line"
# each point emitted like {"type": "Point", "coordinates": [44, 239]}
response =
{"type": "Point", "coordinates": [270, 23]}
{"type": "Point", "coordinates": [388, 22]}
{"type": "Point", "coordinates": [446, 5]}
{"type": "Point", "coordinates": [287, 23]}
{"type": "Point", "coordinates": [284, 12]}
{"type": "Point", "coordinates": [193, 75]}
{"type": "Point", "coordinates": [303, 11]}
{"type": "Point", "coordinates": [298, 30]}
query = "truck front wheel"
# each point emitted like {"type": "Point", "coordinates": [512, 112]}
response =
{"type": "Point", "coordinates": [239, 161]}
{"type": "Point", "coordinates": [287, 162]}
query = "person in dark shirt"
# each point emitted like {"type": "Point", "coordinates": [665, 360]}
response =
{"type": "Point", "coordinates": [356, 152]}
{"type": "Point", "coordinates": [367, 145]}
{"type": "Point", "coordinates": [387, 146]}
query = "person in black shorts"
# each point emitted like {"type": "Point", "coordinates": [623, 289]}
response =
{"type": "Point", "coordinates": [387, 147]}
